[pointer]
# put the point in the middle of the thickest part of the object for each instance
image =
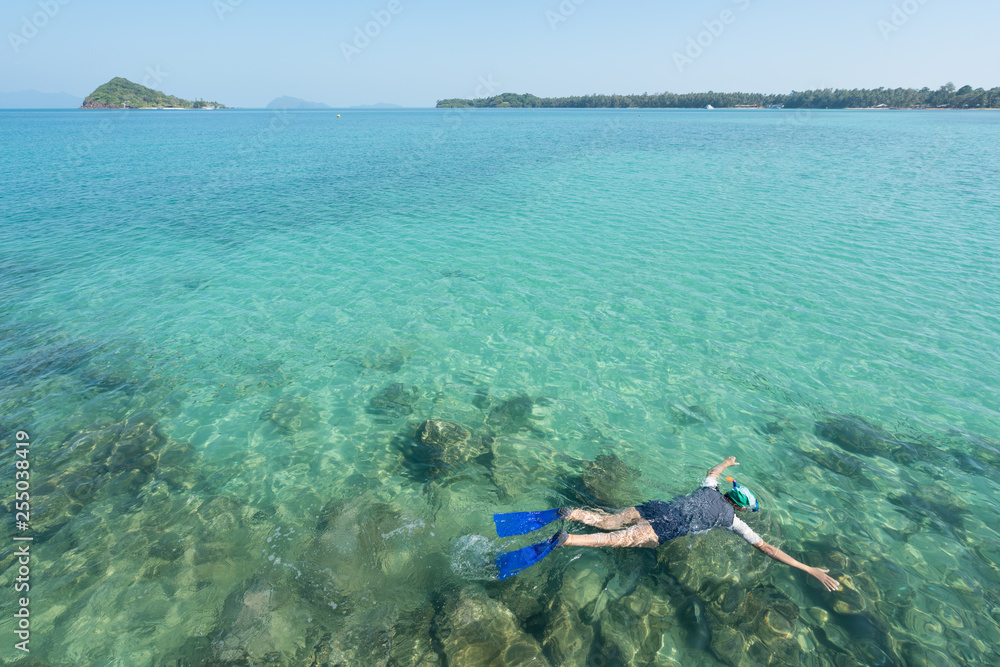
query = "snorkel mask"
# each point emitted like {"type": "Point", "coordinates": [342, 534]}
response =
{"type": "Point", "coordinates": [741, 496]}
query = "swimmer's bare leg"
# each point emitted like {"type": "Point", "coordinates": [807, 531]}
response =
{"type": "Point", "coordinates": [605, 521]}
{"type": "Point", "coordinates": [639, 535]}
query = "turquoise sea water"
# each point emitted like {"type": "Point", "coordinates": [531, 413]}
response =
{"type": "Point", "coordinates": [222, 329]}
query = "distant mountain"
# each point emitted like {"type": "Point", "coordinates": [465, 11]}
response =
{"type": "Point", "coordinates": [295, 103]}
{"type": "Point", "coordinates": [380, 105]}
{"type": "Point", "coordinates": [121, 93]}
{"type": "Point", "coordinates": [32, 99]}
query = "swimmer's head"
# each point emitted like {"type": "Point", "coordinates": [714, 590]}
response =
{"type": "Point", "coordinates": [741, 497]}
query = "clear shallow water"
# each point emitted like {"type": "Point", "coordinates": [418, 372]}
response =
{"type": "Point", "coordinates": [222, 330]}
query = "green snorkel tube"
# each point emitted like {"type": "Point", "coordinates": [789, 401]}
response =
{"type": "Point", "coordinates": [741, 496]}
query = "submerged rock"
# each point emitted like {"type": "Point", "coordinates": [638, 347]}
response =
{"type": "Point", "coordinates": [934, 507]}
{"type": "Point", "coordinates": [380, 636]}
{"type": "Point", "coordinates": [854, 434]}
{"type": "Point", "coordinates": [864, 635]}
{"type": "Point", "coordinates": [697, 629]}
{"type": "Point", "coordinates": [393, 402]}
{"type": "Point", "coordinates": [512, 415]}
{"type": "Point", "coordinates": [445, 445]}
{"type": "Point", "coordinates": [220, 514]}
{"type": "Point", "coordinates": [194, 284]}
{"type": "Point", "coordinates": [569, 630]}
{"type": "Point", "coordinates": [444, 436]}
{"type": "Point", "coordinates": [690, 415]}
{"type": "Point", "coordinates": [727, 615]}
{"type": "Point", "coordinates": [109, 461]}
{"type": "Point", "coordinates": [292, 414]}
{"type": "Point", "coordinates": [363, 639]}
{"type": "Point", "coordinates": [356, 527]}
{"type": "Point", "coordinates": [109, 381]}
{"type": "Point", "coordinates": [483, 400]}
{"type": "Point", "coordinates": [178, 465]}
{"type": "Point", "coordinates": [774, 424]}
{"type": "Point", "coordinates": [118, 445]}
{"type": "Point", "coordinates": [971, 464]}
{"type": "Point", "coordinates": [769, 620]}
{"type": "Point", "coordinates": [567, 638]}
{"type": "Point", "coordinates": [975, 454]}
{"type": "Point", "coordinates": [248, 374]}
{"type": "Point", "coordinates": [918, 655]}
{"type": "Point", "coordinates": [732, 598]}
{"type": "Point", "coordinates": [475, 629]}
{"type": "Point", "coordinates": [779, 624]}
{"type": "Point", "coordinates": [511, 477]}
{"type": "Point", "coordinates": [631, 627]}
{"type": "Point", "coordinates": [364, 546]}
{"type": "Point", "coordinates": [254, 626]}
{"type": "Point", "coordinates": [247, 616]}
{"type": "Point", "coordinates": [460, 273]}
{"type": "Point", "coordinates": [770, 428]}
{"type": "Point", "coordinates": [729, 645]}
{"type": "Point", "coordinates": [840, 463]}
{"type": "Point", "coordinates": [608, 481]}
{"type": "Point", "coordinates": [384, 360]}
{"type": "Point", "coordinates": [39, 359]}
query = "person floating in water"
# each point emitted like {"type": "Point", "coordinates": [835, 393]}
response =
{"type": "Point", "coordinates": [648, 525]}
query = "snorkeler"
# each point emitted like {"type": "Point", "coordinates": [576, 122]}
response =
{"type": "Point", "coordinates": [648, 525]}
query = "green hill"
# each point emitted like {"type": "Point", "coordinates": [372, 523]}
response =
{"type": "Point", "coordinates": [121, 93]}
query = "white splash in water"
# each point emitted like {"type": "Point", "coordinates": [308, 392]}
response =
{"type": "Point", "coordinates": [408, 528]}
{"type": "Point", "coordinates": [472, 557]}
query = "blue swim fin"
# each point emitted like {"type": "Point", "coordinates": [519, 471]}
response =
{"type": "Point", "coordinates": [519, 523]}
{"type": "Point", "coordinates": [513, 562]}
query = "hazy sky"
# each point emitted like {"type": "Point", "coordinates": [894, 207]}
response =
{"type": "Point", "coordinates": [246, 52]}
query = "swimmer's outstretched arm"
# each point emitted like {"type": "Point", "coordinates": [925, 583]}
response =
{"type": "Point", "coordinates": [719, 469]}
{"type": "Point", "coordinates": [780, 556]}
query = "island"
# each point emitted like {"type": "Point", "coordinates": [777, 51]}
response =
{"type": "Point", "coordinates": [120, 93]}
{"type": "Point", "coordinates": [377, 105]}
{"type": "Point", "coordinates": [286, 102]}
{"type": "Point", "coordinates": [945, 97]}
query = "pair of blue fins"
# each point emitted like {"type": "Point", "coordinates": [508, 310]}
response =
{"type": "Point", "coordinates": [519, 523]}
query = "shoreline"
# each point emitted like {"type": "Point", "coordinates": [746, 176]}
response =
{"type": "Point", "coordinates": [148, 109]}
{"type": "Point", "coordinates": [722, 108]}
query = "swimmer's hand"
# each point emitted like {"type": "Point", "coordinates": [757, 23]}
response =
{"type": "Point", "coordinates": [717, 470]}
{"type": "Point", "coordinates": [825, 579]}
{"type": "Point", "coordinates": [777, 554]}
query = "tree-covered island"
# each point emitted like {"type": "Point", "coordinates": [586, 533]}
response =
{"type": "Point", "coordinates": [121, 93]}
{"type": "Point", "coordinates": [945, 97]}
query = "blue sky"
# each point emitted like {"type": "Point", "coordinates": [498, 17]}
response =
{"type": "Point", "coordinates": [246, 52]}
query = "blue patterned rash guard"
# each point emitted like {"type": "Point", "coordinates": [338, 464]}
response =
{"type": "Point", "coordinates": [696, 512]}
